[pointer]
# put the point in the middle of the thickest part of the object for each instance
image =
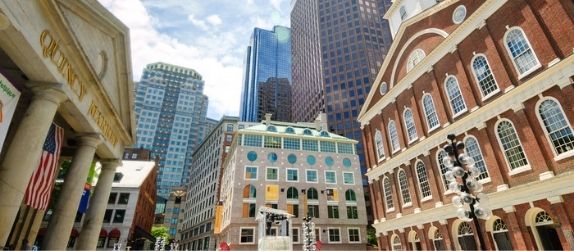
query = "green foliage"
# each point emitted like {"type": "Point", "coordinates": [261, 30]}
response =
{"type": "Point", "coordinates": [372, 236]}
{"type": "Point", "coordinates": [160, 231]}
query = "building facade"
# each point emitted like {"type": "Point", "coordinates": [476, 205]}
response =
{"type": "Point", "coordinates": [203, 189]}
{"type": "Point", "coordinates": [297, 167]}
{"type": "Point", "coordinates": [66, 92]}
{"type": "Point", "coordinates": [171, 114]}
{"type": "Point", "coordinates": [267, 63]}
{"type": "Point", "coordinates": [498, 75]}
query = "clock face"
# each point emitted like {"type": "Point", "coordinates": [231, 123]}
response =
{"type": "Point", "coordinates": [383, 88]}
{"type": "Point", "coordinates": [459, 14]}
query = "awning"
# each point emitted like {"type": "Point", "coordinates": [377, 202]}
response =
{"type": "Point", "coordinates": [103, 233]}
{"type": "Point", "coordinates": [115, 233]}
{"type": "Point", "coordinates": [74, 233]}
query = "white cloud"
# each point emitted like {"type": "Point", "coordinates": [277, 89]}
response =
{"type": "Point", "coordinates": [197, 22]}
{"type": "Point", "coordinates": [214, 20]}
{"type": "Point", "coordinates": [276, 4]}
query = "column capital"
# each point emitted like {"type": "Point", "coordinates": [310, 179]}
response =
{"type": "Point", "coordinates": [110, 163]}
{"type": "Point", "coordinates": [49, 91]}
{"type": "Point", "coordinates": [89, 139]}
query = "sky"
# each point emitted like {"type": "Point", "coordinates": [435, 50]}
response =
{"type": "Point", "coordinates": [209, 36]}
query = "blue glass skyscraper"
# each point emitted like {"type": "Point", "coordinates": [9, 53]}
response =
{"type": "Point", "coordinates": [171, 114]}
{"type": "Point", "coordinates": [267, 69]}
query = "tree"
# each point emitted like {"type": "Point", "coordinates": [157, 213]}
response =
{"type": "Point", "coordinates": [160, 231]}
{"type": "Point", "coordinates": [371, 236]}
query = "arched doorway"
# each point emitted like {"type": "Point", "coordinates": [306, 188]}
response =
{"type": "Point", "coordinates": [415, 241]}
{"type": "Point", "coordinates": [466, 237]}
{"type": "Point", "coordinates": [500, 235]}
{"type": "Point", "coordinates": [436, 237]}
{"type": "Point", "coordinates": [543, 229]}
{"type": "Point", "coordinates": [396, 243]}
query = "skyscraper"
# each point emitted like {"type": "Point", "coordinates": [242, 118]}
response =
{"type": "Point", "coordinates": [267, 62]}
{"type": "Point", "coordinates": [171, 113]}
{"type": "Point", "coordinates": [337, 48]}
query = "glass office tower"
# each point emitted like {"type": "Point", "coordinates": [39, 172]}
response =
{"type": "Point", "coordinates": [267, 62]}
{"type": "Point", "coordinates": [171, 114]}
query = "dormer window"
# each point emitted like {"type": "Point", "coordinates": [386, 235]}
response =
{"type": "Point", "coordinates": [290, 130]}
{"type": "Point", "coordinates": [307, 132]}
{"type": "Point", "coordinates": [415, 58]}
{"type": "Point", "coordinates": [403, 12]}
{"type": "Point", "coordinates": [271, 129]}
{"type": "Point", "coordinates": [324, 134]}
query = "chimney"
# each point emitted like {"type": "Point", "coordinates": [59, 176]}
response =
{"type": "Point", "coordinates": [268, 118]}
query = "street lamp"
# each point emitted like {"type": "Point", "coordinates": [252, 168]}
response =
{"type": "Point", "coordinates": [462, 175]}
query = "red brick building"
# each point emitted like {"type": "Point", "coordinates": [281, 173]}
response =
{"type": "Point", "coordinates": [499, 75]}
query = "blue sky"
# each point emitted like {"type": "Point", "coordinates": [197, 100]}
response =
{"type": "Point", "coordinates": [209, 36]}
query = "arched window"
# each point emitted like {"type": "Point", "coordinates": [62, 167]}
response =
{"type": "Point", "coordinates": [438, 241]}
{"type": "Point", "coordinates": [484, 76]}
{"type": "Point", "coordinates": [520, 50]}
{"type": "Point", "coordinates": [249, 192]}
{"type": "Point", "coordinates": [410, 124]}
{"type": "Point", "coordinates": [558, 130]}
{"type": "Point", "coordinates": [424, 185]}
{"type": "Point", "coordinates": [415, 58]}
{"type": "Point", "coordinates": [430, 112]}
{"type": "Point", "coordinates": [307, 132]}
{"type": "Point", "coordinates": [324, 134]}
{"type": "Point", "coordinates": [397, 244]}
{"type": "Point", "coordinates": [501, 236]}
{"type": "Point", "coordinates": [466, 237]}
{"type": "Point", "coordinates": [473, 150]}
{"type": "Point", "coordinates": [271, 129]}
{"type": "Point", "coordinates": [388, 193]}
{"type": "Point", "coordinates": [292, 193]}
{"type": "Point", "coordinates": [454, 96]}
{"type": "Point", "coordinates": [290, 130]}
{"type": "Point", "coordinates": [350, 195]}
{"type": "Point", "coordinates": [312, 194]}
{"type": "Point", "coordinates": [404, 186]}
{"type": "Point", "coordinates": [394, 136]}
{"type": "Point", "coordinates": [441, 154]}
{"type": "Point", "coordinates": [511, 145]}
{"type": "Point", "coordinates": [379, 144]}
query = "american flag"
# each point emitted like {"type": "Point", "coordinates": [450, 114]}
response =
{"type": "Point", "coordinates": [42, 181]}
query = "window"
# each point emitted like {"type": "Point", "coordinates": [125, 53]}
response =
{"type": "Point", "coordinates": [108, 215]}
{"type": "Point", "coordinates": [229, 128]}
{"type": "Point", "coordinates": [312, 176]}
{"type": "Point", "coordinates": [330, 177]}
{"type": "Point", "coordinates": [350, 195]}
{"type": "Point", "coordinates": [334, 235]}
{"type": "Point", "coordinates": [379, 145]}
{"type": "Point", "coordinates": [295, 235]}
{"type": "Point", "coordinates": [293, 209]}
{"type": "Point", "coordinates": [333, 212]}
{"type": "Point", "coordinates": [272, 142]}
{"type": "Point", "coordinates": [324, 134]}
{"type": "Point", "coordinates": [112, 198]}
{"type": "Point", "coordinates": [307, 132]}
{"type": "Point", "coordinates": [388, 193]}
{"type": "Point", "coordinates": [271, 129]}
{"type": "Point", "coordinates": [228, 138]}
{"type": "Point", "coordinates": [454, 96]}
{"type": "Point", "coordinates": [312, 194]}
{"type": "Point", "coordinates": [310, 145]}
{"type": "Point", "coordinates": [443, 169]}
{"type": "Point", "coordinates": [250, 172]}
{"type": "Point", "coordinates": [313, 211]}
{"type": "Point", "coordinates": [247, 235]}
{"type": "Point", "coordinates": [124, 198]}
{"type": "Point", "coordinates": [410, 124]}
{"type": "Point", "coordinates": [557, 128]}
{"type": "Point", "coordinates": [473, 150]}
{"type": "Point", "coordinates": [249, 210]}
{"type": "Point", "coordinates": [327, 146]}
{"type": "Point", "coordinates": [290, 130]}
{"type": "Point", "coordinates": [354, 235]}
{"type": "Point", "coordinates": [346, 148]}
{"type": "Point", "coordinates": [352, 212]}
{"type": "Point", "coordinates": [423, 180]}
{"type": "Point", "coordinates": [348, 178]}
{"type": "Point", "coordinates": [271, 173]}
{"type": "Point", "coordinates": [415, 58]}
{"type": "Point", "coordinates": [249, 192]}
{"type": "Point", "coordinates": [394, 136]}
{"type": "Point", "coordinates": [404, 186]}
{"type": "Point", "coordinates": [119, 216]}
{"type": "Point", "coordinates": [291, 143]}
{"type": "Point", "coordinates": [403, 12]}
{"type": "Point", "coordinates": [484, 76]}
{"type": "Point", "coordinates": [252, 140]}
{"type": "Point", "coordinates": [519, 49]}
{"type": "Point", "coordinates": [430, 112]}
{"type": "Point", "coordinates": [292, 193]}
{"type": "Point", "coordinates": [111, 241]}
{"type": "Point", "coordinates": [511, 145]}
{"type": "Point", "coordinates": [101, 242]}
{"type": "Point", "coordinates": [397, 246]}
{"type": "Point", "coordinates": [292, 174]}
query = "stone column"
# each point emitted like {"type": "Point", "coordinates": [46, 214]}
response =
{"type": "Point", "coordinates": [90, 233]}
{"type": "Point", "coordinates": [23, 153]}
{"type": "Point", "coordinates": [62, 221]}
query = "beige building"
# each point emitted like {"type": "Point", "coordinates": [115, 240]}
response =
{"type": "Point", "coordinates": [70, 61]}
{"type": "Point", "coordinates": [299, 168]}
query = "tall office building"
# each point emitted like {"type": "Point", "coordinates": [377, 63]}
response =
{"type": "Point", "coordinates": [337, 48]}
{"type": "Point", "coordinates": [268, 63]}
{"type": "Point", "coordinates": [171, 113]}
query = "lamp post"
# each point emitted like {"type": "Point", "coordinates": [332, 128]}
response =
{"type": "Point", "coordinates": [462, 176]}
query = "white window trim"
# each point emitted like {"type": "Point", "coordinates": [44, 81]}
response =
{"type": "Point", "coordinates": [325, 173]}
{"type": "Point", "coordinates": [547, 135]}
{"type": "Point", "coordinates": [349, 234]}
{"type": "Point", "coordinates": [269, 167]}
{"type": "Point", "coordinates": [534, 68]}
{"type": "Point", "coordinates": [427, 122]}
{"type": "Point", "coordinates": [454, 115]}
{"type": "Point", "coordinates": [419, 181]}
{"type": "Point", "coordinates": [382, 157]}
{"type": "Point", "coordinates": [287, 174]}
{"type": "Point", "coordinates": [246, 243]}
{"type": "Point", "coordinates": [329, 235]}
{"type": "Point", "coordinates": [389, 209]}
{"type": "Point", "coordinates": [298, 235]}
{"type": "Point", "coordinates": [353, 174]}
{"type": "Point", "coordinates": [392, 122]}
{"type": "Point", "coordinates": [478, 81]}
{"type": "Point", "coordinates": [245, 172]}
{"type": "Point", "coordinates": [487, 179]}
{"type": "Point", "coordinates": [404, 204]}
{"type": "Point", "coordinates": [407, 127]}
{"type": "Point", "coordinates": [312, 170]}
{"type": "Point", "coordinates": [510, 170]}
{"type": "Point", "coordinates": [442, 181]}
{"type": "Point", "coordinates": [318, 237]}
